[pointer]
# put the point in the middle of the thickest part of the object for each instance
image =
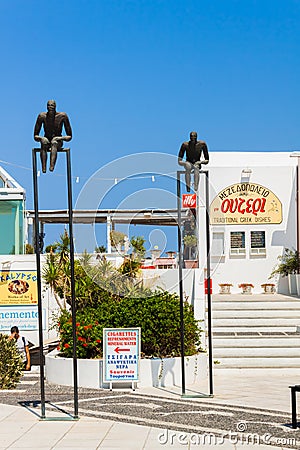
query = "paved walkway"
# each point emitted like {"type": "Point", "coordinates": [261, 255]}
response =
{"type": "Point", "coordinates": [21, 428]}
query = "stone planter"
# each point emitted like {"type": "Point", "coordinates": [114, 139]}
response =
{"type": "Point", "coordinates": [298, 284]}
{"type": "Point", "coordinates": [191, 263]}
{"type": "Point", "coordinates": [246, 288]}
{"type": "Point", "coordinates": [153, 372]}
{"type": "Point", "coordinates": [292, 283]}
{"type": "Point", "coordinates": [225, 288]}
{"type": "Point", "coordinates": [269, 288]}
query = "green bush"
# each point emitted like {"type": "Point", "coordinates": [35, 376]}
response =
{"type": "Point", "coordinates": [158, 316]}
{"type": "Point", "coordinates": [11, 363]}
{"type": "Point", "coordinates": [289, 263]}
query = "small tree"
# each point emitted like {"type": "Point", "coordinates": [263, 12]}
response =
{"type": "Point", "coordinates": [100, 249]}
{"type": "Point", "coordinates": [137, 244]}
{"type": "Point", "coordinates": [117, 239]}
{"type": "Point", "coordinates": [29, 249]}
{"type": "Point", "coordinates": [190, 241]}
{"type": "Point", "coordinates": [289, 263]}
{"type": "Point", "coordinates": [11, 363]}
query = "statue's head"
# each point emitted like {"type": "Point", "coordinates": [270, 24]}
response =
{"type": "Point", "coordinates": [193, 136]}
{"type": "Point", "coordinates": [51, 106]}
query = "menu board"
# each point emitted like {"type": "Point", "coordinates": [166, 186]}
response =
{"type": "Point", "coordinates": [237, 239]}
{"type": "Point", "coordinates": [258, 239]}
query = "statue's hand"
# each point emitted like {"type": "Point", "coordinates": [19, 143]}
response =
{"type": "Point", "coordinates": [56, 139]}
{"type": "Point", "coordinates": [188, 165]}
{"type": "Point", "coordinates": [44, 140]}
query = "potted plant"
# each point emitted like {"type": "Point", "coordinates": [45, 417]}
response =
{"type": "Point", "coordinates": [225, 288]}
{"type": "Point", "coordinates": [246, 288]}
{"type": "Point", "coordinates": [269, 288]}
{"type": "Point", "coordinates": [190, 241]}
{"type": "Point", "coordinates": [289, 267]}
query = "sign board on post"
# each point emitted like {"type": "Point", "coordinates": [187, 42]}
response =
{"type": "Point", "coordinates": [121, 354]}
{"type": "Point", "coordinates": [18, 287]}
{"type": "Point", "coordinates": [189, 201]}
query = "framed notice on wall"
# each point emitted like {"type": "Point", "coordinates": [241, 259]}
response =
{"type": "Point", "coordinates": [237, 239]}
{"type": "Point", "coordinates": [258, 239]}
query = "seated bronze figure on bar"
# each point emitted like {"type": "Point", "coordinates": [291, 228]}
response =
{"type": "Point", "coordinates": [52, 141]}
{"type": "Point", "coordinates": [193, 151]}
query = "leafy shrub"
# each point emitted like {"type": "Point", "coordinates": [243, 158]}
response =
{"type": "Point", "coordinates": [158, 316]}
{"type": "Point", "coordinates": [11, 363]}
{"type": "Point", "coordinates": [289, 263]}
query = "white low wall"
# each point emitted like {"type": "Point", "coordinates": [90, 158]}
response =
{"type": "Point", "coordinates": [153, 372]}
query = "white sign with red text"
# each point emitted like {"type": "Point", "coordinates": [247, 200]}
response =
{"type": "Point", "coordinates": [121, 354]}
{"type": "Point", "coordinates": [189, 201]}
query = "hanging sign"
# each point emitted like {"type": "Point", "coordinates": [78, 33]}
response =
{"type": "Point", "coordinates": [245, 203]}
{"type": "Point", "coordinates": [121, 354]}
{"type": "Point", "coordinates": [189, 201]}
{"type": "Point", "coordinates": [18, 287]}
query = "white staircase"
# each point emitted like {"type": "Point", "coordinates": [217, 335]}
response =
{"type": "Point", "coordinates": [256, 331]}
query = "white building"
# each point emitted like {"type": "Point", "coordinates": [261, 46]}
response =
{"type": "Point", "coordinates": [253, 215]}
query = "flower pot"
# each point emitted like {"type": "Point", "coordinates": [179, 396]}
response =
{"type": "Point", "coordinates": [225, 288]}
{"type": "Point", "coordinates": [268, 288]}
{"type": "Point", "coordinates": [191, 263]}
{"type": "Point", "coordinates": [246, 288]}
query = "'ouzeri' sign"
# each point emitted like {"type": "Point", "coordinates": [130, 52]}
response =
{"type": "Point", "coordinates": [245, 203]}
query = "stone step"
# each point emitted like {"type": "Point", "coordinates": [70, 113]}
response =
{"type": "Point", "coordinates": [262, 352]}
{"type": "Point", "coordinates": [255, 322]}
{"type": "Point", "coordinates": [256, 342]}
{"type": "Point", "coordinates": [255, 313]}
{"type": "Point", "coordinates": [262, 328]}
{"type": "Point", "coordinates": [258, 362]}
{"type": "Point", "coordinates": [234, 306]}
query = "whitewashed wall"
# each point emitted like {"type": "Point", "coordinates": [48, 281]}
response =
{"type": "Point", "coordinates": [277, 172]}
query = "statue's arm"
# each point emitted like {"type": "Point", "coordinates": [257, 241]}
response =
{"type": "Point", "coordinates": [186, 164]}
{"type": "Point", "coordinates": [68, 129]}
{"type": "Point", "coordinates": [181, 155]}
{"type": "Point", "coordinates": [37, 129]}
{"type": "Point", "coordinates": [205, 154]}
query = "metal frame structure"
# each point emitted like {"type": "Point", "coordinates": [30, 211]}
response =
{"type": "Point", "coordinates": [209, 308]}
{"type": "Point", "coordinates": [39, 284]}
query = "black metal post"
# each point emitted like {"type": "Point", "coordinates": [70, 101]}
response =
{"type": "Point", "coordinates": [180, 283]}
{"type": "Point", "coordinates": [209, 308]}
{"type": "Point", "coordinates": [73, 298]}
{"type": "Point", "coordinates": [38, 267]}
{"type": "Point", "coordinates": [39, 285]}
{"type": "Point", "coordinates": [209, 311]}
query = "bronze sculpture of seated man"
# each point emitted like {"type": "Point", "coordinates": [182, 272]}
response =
{"type": "Point", "coordinates": [53, 123]}
{"type": "Point", "coordinates": [193, 151]}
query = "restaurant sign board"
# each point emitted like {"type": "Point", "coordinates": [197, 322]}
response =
{"type": "Point", "coordinates": [247, 204]}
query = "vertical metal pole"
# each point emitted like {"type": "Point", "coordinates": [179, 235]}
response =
{"type": "Point", "coordinates": [209, 313]}
{"type": "Point", "coordinates": [39, 286]}
{"type": "Point", "coordinates": [180, 284]}
{"type": "Point", "coordinates": [73, 299]}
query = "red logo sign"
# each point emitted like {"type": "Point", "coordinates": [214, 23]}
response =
{"type": "Point", "coordinates": [189, 200]}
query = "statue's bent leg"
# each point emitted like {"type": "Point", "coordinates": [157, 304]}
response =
{"type": "Point", "coordinates": [188, 179]}
{"type": "Point", "coordinates": [53, 155]}
{"type": "Point", "coordinates": [196, 178]}
{"type": "Point", "coordinates": [43, 155]}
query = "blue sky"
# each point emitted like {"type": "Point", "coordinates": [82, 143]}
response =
{"type": "Point", "coordinates": [138, 75]}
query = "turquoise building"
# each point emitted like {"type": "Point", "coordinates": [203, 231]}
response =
{"type": "Point", "coordinates": [12, 216]}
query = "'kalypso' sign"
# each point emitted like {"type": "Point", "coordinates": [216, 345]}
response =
{"type": "Point", "coordinates": [121, 354]}
{"type": "Point", "coordinates": [18, 287]}
{"type": "Point", "coordinates": [245, 203]}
